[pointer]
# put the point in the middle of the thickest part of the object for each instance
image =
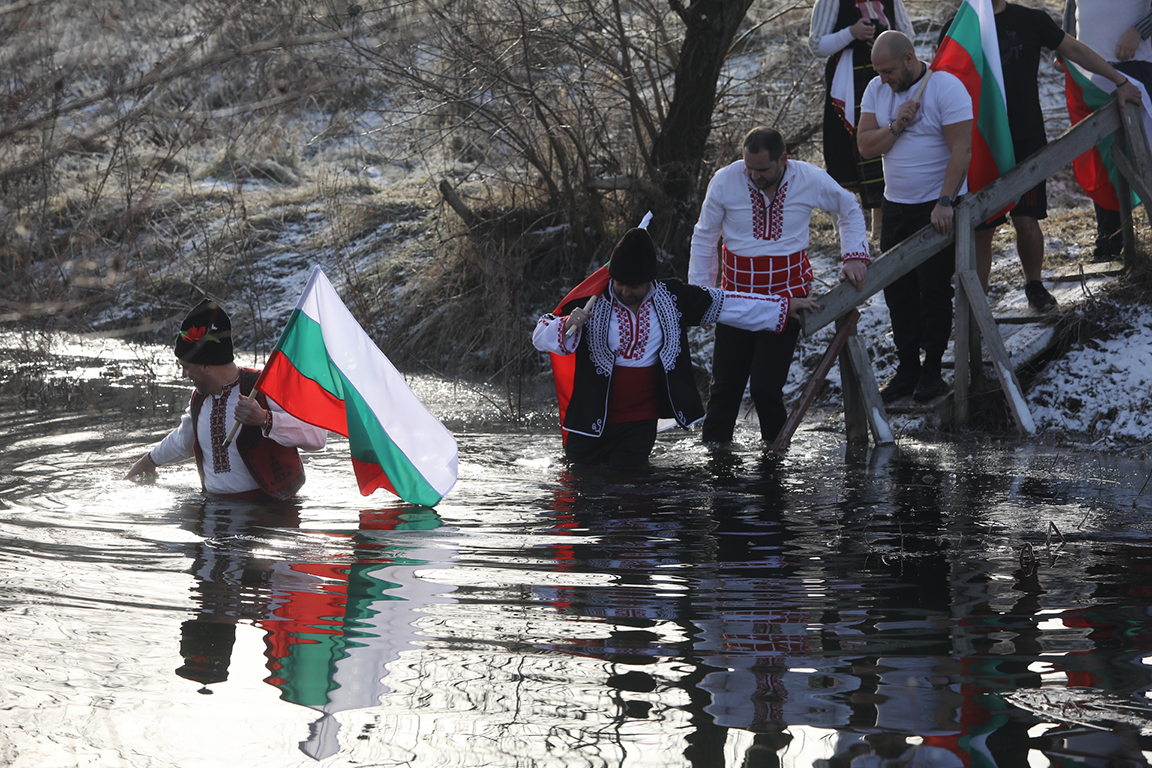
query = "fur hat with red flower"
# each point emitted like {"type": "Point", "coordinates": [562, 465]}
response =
{"type": "Point", "coordinates": [205, 336]}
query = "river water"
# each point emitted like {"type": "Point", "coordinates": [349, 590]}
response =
{"type": "Point", "coordinates": [978, 603]}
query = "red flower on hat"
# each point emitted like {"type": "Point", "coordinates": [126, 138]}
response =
{"type": "Point", "coordinates": [196, 334]}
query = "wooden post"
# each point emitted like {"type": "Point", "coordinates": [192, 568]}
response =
{"type": "Point", "coordinates": [1140, 155]}
{"type": "Point", "coordinates": [1134, 162]}
{"type": "Point", "coordinates": [1000, 359]}
{"type": "Point", "coordinates": [855, 411]}
{"type": "Point", "coordinates": [861, 372]}
{"type": "Point", "coordinates": [814, 381]}
{"type": "Point", "coordinates": [965, 264]}
{"type": "Point", "coordinates": [1124, 195]}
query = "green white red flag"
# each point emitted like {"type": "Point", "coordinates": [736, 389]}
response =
{"type": "Point", "coordinates": [564, 366]}
{"type": "Point", "coordinates": [971, 53]}
{"type": "Point", "coordinates": [325, 370]}
{"type": "Point", "coordinates": [1095, 171]}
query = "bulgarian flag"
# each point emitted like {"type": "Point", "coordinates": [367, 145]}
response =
{"type": "Point", "coordinates": [1095, 171]}
{"type": "Point", "coordinates": [327, 372]}
{"type": "Point", "coordinates": [971, 53]}
{"type": "Point", "coordinates": [564, 366]}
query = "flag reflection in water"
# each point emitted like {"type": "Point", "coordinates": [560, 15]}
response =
{"type": "Point", "coordinates": [334, 618]}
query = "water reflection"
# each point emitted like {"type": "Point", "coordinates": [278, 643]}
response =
{"type": "Point", "coordinates": [837, 607]}
{"type": "Point", "coordinates": [852, 613]}
{"type": "Point", "coordinates": [334, 616]}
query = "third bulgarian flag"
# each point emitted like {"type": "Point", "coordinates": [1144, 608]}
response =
{"type": "Point", "coordinates": [1095, 171]}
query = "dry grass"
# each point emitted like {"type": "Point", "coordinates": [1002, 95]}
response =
{"type": "Point", "coordinates": [285, 136]}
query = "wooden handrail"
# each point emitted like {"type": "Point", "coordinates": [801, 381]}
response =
{"type": "Point", "coordinates": [914, 251]}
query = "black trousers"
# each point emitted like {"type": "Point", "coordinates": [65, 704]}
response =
{"type": "Point", "coordinates": [920, 302]}
{"type": "Point", "coordinates": [764, 357]}
{"type": "Point", "coordinates": [622, 445]}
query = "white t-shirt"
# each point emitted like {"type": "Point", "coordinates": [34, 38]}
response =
{"type": "Point", "coordinates": [914, 167]}
{"type": "Point", "coordinates": [1101, 23]}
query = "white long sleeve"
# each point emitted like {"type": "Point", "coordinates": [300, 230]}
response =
{"type": "Point", "coordinates": [834, 42]}
{"type": "Point", "coordinates": [755, 311]}
{"type": "Point", "coordinates": [548, 336]}
{"type": "Point", "coordinates": [178, 445]}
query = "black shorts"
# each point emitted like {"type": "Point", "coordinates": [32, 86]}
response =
{"type": "Point", "coordinates": [1034, 202]}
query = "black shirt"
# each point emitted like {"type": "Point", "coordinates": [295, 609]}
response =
{"type": "Point", "coordinates": [1022, 32]}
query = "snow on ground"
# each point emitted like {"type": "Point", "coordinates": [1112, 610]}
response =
{"type": "Point", "coordinates": [1101, 389]}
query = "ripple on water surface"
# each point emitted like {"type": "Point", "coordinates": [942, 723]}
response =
{"type": "Point", "coordinates": [720, 603]}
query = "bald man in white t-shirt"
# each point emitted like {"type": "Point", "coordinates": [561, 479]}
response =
{"type": "Point", "coordinates": [926, 146]}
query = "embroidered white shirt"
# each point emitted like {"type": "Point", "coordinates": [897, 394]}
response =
{"type": "Point", "coordinates": [228, 474]}
{"type": "Point", "coordinates": [753, 225]}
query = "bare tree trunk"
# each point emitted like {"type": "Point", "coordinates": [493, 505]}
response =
{"type": "Point", "coordinates": [678, 151]}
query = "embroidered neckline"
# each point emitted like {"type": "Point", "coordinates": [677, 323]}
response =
{"type": "Point", "coordinates": [768, 218]}
{"type": "Point", "coordinates": [216, 423]}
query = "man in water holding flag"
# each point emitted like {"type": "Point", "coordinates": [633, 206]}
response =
{"type": "Point", "coordinates": [326, 372]}
{"type": "Point", "coordinates": [263, 463]}
{"type": "Point", "coordinates": [621, 361]}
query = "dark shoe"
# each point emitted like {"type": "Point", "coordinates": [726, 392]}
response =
{"type": "Point", "coordinates": [930, 386]}
{"type": "Point", "coordinates": [1103, 256]}
{"type": "Point", "coordinates": [1038, 296]}
{"type": "Point", "coordinates": [900, 385]}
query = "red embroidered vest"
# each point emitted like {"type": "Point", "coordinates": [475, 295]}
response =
{"type": "Point", "coordinates": [276, 468]}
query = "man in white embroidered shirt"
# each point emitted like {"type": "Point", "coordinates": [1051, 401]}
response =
{"type": "Point", "coordinates": [262, 463]}
{"type": "Point", "coordinates": [761, 207]}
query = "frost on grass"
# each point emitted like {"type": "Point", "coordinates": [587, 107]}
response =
{"type": "Point", "coordinates": [1101, 388]}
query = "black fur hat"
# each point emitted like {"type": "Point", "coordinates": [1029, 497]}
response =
{"type": "Point", "coordinates": [205, 336]}
{"type": "Point", "coordinates": [634, 258]}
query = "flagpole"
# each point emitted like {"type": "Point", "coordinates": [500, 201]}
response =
{"type": "Point", "coordinates": [236, 425]}
{"type": "Point", "coordinates": [256, 387]}
{"type": "Point", "coordinates": [923, 83]}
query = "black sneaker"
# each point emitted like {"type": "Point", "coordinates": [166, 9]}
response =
{"type": "Point", "coordinates": [1038, 296]}
{"type": "Point", "coordinates": [898, 386]}
{"type": "Point", "coordinates": [1101, 256]}
{"type": "Point", "coordinates": [930, 386]}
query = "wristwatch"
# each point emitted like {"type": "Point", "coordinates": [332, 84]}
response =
{"type": "Point", "coordinates": [944, 201]}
